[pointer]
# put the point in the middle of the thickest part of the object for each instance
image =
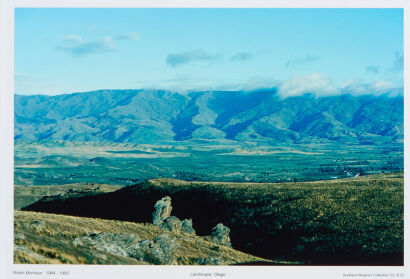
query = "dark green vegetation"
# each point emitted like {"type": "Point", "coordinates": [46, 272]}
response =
{"type": "Point", "coordinates": [53, 239]}
{"type": "Point", "coordinates": [356, 221]}
{"type": "Point", "coordinates": [64, 162]}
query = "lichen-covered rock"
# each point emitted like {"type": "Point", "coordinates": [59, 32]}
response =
{"type": "Point", "coordinates": [163, 250]}
{"type": "Point", "coordinates": [172, 223]}
{"type": "Point", "coordinates": [37, 223]}
{"type": "Point", "coordinates": [19, 236]}
{"type": "Point", "coordinates": [162, 210]}
{"type": "Point", "coordinates": [208, 261]}
{"type": "Point", "coordinates": [160, 250]}
{"type": "Point", "coordinates": [125, 245]}
{"type": "Point", "coordinates": [147, 243]}
{"type": "Point", "coordinates": [220, 235]}
{"type": "Point", "coordinates": [187, 226]}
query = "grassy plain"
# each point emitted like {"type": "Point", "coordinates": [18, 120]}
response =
{"type": "Point", "coordinates": [60, 162]}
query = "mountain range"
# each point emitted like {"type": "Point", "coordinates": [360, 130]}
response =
{"type": "Point", "coordinates": [157, 116]}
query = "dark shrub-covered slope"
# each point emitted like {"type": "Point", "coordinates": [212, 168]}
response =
{"type": "Point", "coordinates": [345, 222]}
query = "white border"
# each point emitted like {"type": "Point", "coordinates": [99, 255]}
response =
{"type": "Point", "coordinates": [215, 3]}
{"type": "Point", "coordinates": [7, 152]}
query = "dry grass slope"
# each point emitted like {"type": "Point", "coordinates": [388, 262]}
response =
{"type": "Point", "coordinates": [42, 238]}
{"type": "Point", "coordinates": [24, 195]}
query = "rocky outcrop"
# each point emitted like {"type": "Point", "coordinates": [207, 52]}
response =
{"type": "Point", "coordinates": [125, 245]}
{"type": "Point", "coordinates": [220, 235]}
{"type": "Point", "coordinates": [161, 217]}
{"type": "Point", "coordinates": [172, 223]}
{"type": "Point", "coordinates": [187, 226]}
{"type": "Point", "coordinates": [160, 250]}
{"type": "Point", "coordinates": [163, 249]}
{"type": "Point", "coordinates": [162, 210]}
{"type": "Point", "coordinates": [175, 225]}
{"type": "Point", "coordinates": [208, 261]}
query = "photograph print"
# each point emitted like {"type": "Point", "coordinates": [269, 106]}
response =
{"type": "Point", "coordinates": [208, 136]}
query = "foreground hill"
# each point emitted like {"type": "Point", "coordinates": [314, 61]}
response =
{"type": "Point", "coordinates": [356, 221]}
{"type": "Point", "coordinates": [54, 239]}
{"type": "Point", "coordinates": [24, 195]}
{"type": "Point", "coordinates": [143, 116]}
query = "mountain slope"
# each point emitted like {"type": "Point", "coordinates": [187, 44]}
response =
{"type": "Point", "coordinates": [143, 116]}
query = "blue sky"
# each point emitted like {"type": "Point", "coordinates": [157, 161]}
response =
{"type": "Point", "coordinates": [325, 51]}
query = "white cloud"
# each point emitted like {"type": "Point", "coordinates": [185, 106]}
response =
{"type": "Point", "coordinates": [381, 86]}
{"type": "Point", "coordinates": [378, 87]}
{"type": "Point", "coordinates": [373, 69]}
{"type": "Point", "coordinates": [128, 36]}
{"type": "Point", "coordinates": [398, 63]}
{"type": "Point", "coordinates": [259, 82]}
{"type": "Point", "coordinates": [180, 58]}
{"type": "Point", "coordinates": [77, 47]}
{"type": "Point", "coordinates": [241, 56]}
{"type": "Point", "coordinates": [308, 58]}
{"type": "Point", "coordinates": [315, 83]}
{"type": "Point", "coordinates": [72, 38]}
{"type": "Point", "coordinates": [354, 87]}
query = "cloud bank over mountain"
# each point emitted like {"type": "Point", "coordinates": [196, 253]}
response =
{"type": "Point", "coordinates": [316, 84]}
{"type": "Point", "coordinates": [322, 85]}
